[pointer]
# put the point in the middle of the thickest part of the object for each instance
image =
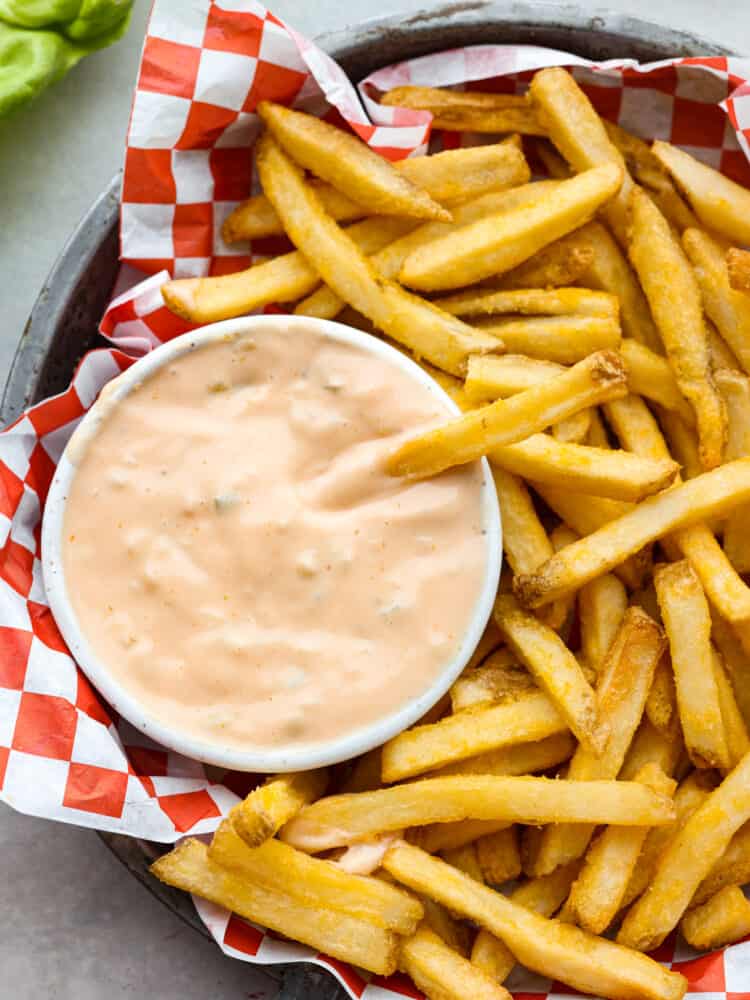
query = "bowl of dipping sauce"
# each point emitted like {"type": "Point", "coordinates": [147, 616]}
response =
{"type": "Point", "coordinates": [234, 570]}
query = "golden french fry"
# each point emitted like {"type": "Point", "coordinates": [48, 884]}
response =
{"type": "Point", "coordinates": [564, 339]}
{"type": "Point", "coordinates": [650, 375]}
{"type": "Point", "coordinates": [735, 730]}
{"type": "Point", "coordinates": [437, 837]}
{"type": "Point", "coordinates": [347, 163]}
{"type": "Point", "coordinates": [718, 351]}
{"type": "Point", "coordinates": [441, 339]}
{"type": "Point", "coordinates": [268, 807]}
{"type": "Point", "coordinates": [675, 209]}
{"type": "Point", "coordinates": [578, 133]}
{"type": "Point", "coordinates": [526, 758]}
{"type": "Point", "coordinates": [525, 542]}
{"type": "Point", "coordinates": [554, 164]}
{"type": "Point", "coordinates": [651, 746]}
{"type": "Point", "coordinates": [314, 882]}
{"type": "Point", "coordinates": [597, 436]}
{"type": "Point", "coordinates": [687, 860]}
{"type": "Point", "coordinates": [720, 204]}
{"type": "Point", "coordinates": [456, 935]}
{"type": "Point", "coordinates": [498, 856]}
{"type": "Point", "coordinates": [599, 377]}
{"type": "Point", "coordinates": [531, 302]}
{"type": "Point", "coordinates": [732, 868]}
{"type": "Point", "coordinates": [590, 964]}
{"type": "Point", "coordinates": [468, 112]}
{"type": "Point", "coordinates": [727, 308]}
{"type": "Point", "coordinates": [444, 974]}
{"type": "Point", "coordinates": [561, 263]}
{"type": "Point", "coordinates": [735, 390]}
{"type": "Point", "coordinates": [601, 607]}
{"type": "Point", "coordinates": [547, 657]}
{"type": "Point", "coordinates": [599, 890]}
{"type": "Point", "coordinates": [347, 819]}
{"type": "Point", "coordinates": [724, 919]}
{"type": "Point", "coordinates": [735, 661]}
{"type": "Point", "coordinates": [465, 859]}
{"type": "Point", "coordinates": [738, 266]}
{"type": "Point", "coordinates": [621, 475]}
{"type": "Point", "coordinates": [575, 429]}
{"type": "Point", "coordinates": [708, 495]}
{"type": "Point", "coordinates": [637, 154]}
{"type": "Point", "coordinates": [498, 679]}
{"type": "Point", "coordinates": [451, 176]}
{"type": "Point", "coordinates": [684, 611]}
{"type": "Point", "coordinates": [661, 704]}
{"type": "Point", "coordinates": [674, 297]}
{"type": "Point", "coordinates": [188, 867]}
{"type": "Point", "coordinates": [501, 242]}
{"type": "Point", "coordinates": [625, 679]}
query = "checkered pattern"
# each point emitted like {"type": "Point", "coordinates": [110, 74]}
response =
{"type": "Point", "coordinates": [63, 754]}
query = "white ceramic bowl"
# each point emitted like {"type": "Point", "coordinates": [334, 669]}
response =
{"type": "Point", "coordinates": [299, 756]}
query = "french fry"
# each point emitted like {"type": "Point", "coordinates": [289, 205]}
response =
{"type": "Point", "coordinates": [531, 302]}
{"type": "Point", "coordinates": [444, 974]}
{"type": "Point", "coordinates": [649, 745]}
{"type": "Point", "coordinates": [675, 209]}
{"type": "Point", "coordinates": [564, 339]}
{"type": "Point", "coordinates": [498, 679]}
{"type": "Point", "coordinates": [723, 919]}
{"type": "Point", "coordinates": [347, 819]}
{"type": "Point", "coordinates": [188, 867]}
{"type": "Point", "coordinates": [473, 111]}
{"type": "Point", "coordinates": [499, 376]}
{"type": "Point", "coordinates": [561, 263]}
{"type": "Point", "coordinates": [621, 475]}
{"type": "Point", "coordinates": [684, 611]}
{"type": "Point", "coordinates": [661, 704]}
{"type": "Point", "coordinates": [498, 856]}
{"type": "Point", "coordinates": [560, 614]}
{"type": "Point", "coordinates": [610, 271]}
{"type": "Point", "coordinates": [732, 868]}
{"type": "Point", "coordinates": [674, 297]}
{"type": "Point", "coordinates": [526, 758]}
{"type": "Point", "coordinates": [365, 774]}
{"type": "Point", "coordinates": [598, 378]}
{"type": "Point", "coordinates": [489, 642]}
{"type": "Point", "coordinates": [625, 679]}
{"type": "Point", "coordinates": [738, 266]}
{"type": "Point", "coordinates": [456, 935]}
{"type": "Point", "coordinates": [440, 339]}
{"type": "Point", "coordinates": [547, 657]}
{"type": "Point", "coordinates": [728, 309]}
{"type": "Point", "coordinates": [575, 429]}
{"type": "Point", "coordinates": [711, 494]}
{"type": "Point", "coordinates": [449, 177]}
{"type": "Point", "coordinates": [735, 730]}
{"type": "Point", "coordinates": [501, 242]}
{"type": "Point", "coordinates": [719, 353]}
{"type": "Point", "coordinates": [578, 133]}
{"type": "Point", "coordinates": [347, 163]}
{"type": "Point", "coordinates": [465, 859]}
{"type": "Point", "coordinates": [314, 882]}
{"type": "Point", "coordinates": [597, 436]}
{"type": "Point", "coordinates": [650, 375]}
{"type": "Point", "coordinates": [437, 837]}
{"type": "Point", "coordinates": [601, 607]}
{"type": "Point", "coordinates": [735, 661]}
{"type": "Point", "coordinates": [525, 542]}
{"type": "Point", "coordinates": [598, 892]}
{"type": "Point", "coordinates": [471, 732]}
{"type": "Point", "coordinates": [720, 204]}
{"type": "Point", "coordinates": [265, 810]}
{"type": "Point", "coordinates": [687, 860]}
{"type": "Point", "coordinates": [735, 390]}
{"type": "Point", "coordinates": [592, 965]}
{"type": "Point", "coordinates": [282, 279]}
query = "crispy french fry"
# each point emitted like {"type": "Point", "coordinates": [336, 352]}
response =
{"type": "Point", "coordinates": [498, 856]}
{"type": "Point", "coordinates": [347, 163]}
{"type": "Point", "coordinates": [554, 164]}
{"type": "Point", "coordinates": [601, 606]}
{"type": "Point", "coordinates": [547, 657]}
{"type": "Point", "coordinates": [598, 378]}
{"type": "Point", "coordinates": [560, 614]}
{"type": "Point", "coordinates": [188, 867]}
{"type": "Point", "coordinates": [314, 882]}
{"type": "Point", "coordinates": [650, 745]}
{"type": "Point", "coordinates": [505, 375]}
{"type": "Point", "coordinates": [598, 892]}
{"type": "Point", "coordinates": [625, 678]}
{"type": "Point", "coordinates": [661, 704]}
{"type": "Point", "coordinates": [560, 951]}
{"type": "Point", "coordinates": [451, 176]}
{"type": "Point", "coordinates": [564, 339]}
{"type": "Point", "coordinates": [282, 279]}
{"type": "Point", "coordinates": [709, 495]}
{"type": "Point", "coordinates": [735, 661]}
{"type": "Point", "coordinates": [498, 679]}
{"type": "Point", "coordinates": [735, 390]}
{"type": "Point", "coordinates": [738, 266]}
{"type": "Point", "coordinates": [621, 475]}
{"type": "Point", "coordinates": [268, 807]}
{"type": "Point", "coordinates": [578, 133]}
{"type": "Point", "coordinates": [456, 935]}
{"type": "Point", "coordinates": [675, 209]}
{"type": "Point", "coordinates": [735, 730]}
{"type": "Point", "coordinates": [650, 375]}
{"type": "Point", "coordinates": [526, 758]}
{"type": "Point", "coordinates": [465, 859]}
{"type": "Point", "coordinates": [597, 436]}
{"type": "Point", "coordinates": [723, 919]}
{"type": "Point", "coordinates": [531, 302]}
{"type": "Point", "coordinates": [674, 297]}
{"type": "Point", "coordinates": [732, 868]}
{"type": "Point", "coordinates": [720, 204]}
{"type": "Point", "coordinates": [727, 308]}
{"type": "Point", "coordinates": [719, 352]}
{"type": "Point", "coordinates": [525, 542]}
{"type": "Point", "coordinates": [444, 974]}
{"type": "Point", "coordinates": [436, 837]}
{"type": "Point", "coordinates": [468, 112]}
{"type": "Point", "coordinates": [499, 243]}
{"type": "Point", "coordinates": [441, 339]}
{"type": "Point", "coordinates": [561, 263]}
{"type": "Point", "coordinates": [346, 819]}
{"type": "Point", "coordinates": [684, 611]}
{"type": "Point", "coordinates": [471, 732]}
{"type": "Point", "coordinates": [575, 429]}
{"type": "Point", "coordinates": [687, 860]}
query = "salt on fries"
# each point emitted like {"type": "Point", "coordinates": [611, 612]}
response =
{"type": "Point", "coordinates": [594, 329]}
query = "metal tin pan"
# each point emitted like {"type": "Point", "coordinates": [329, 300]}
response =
{"type": "Point", "coordinates": [63, 322]}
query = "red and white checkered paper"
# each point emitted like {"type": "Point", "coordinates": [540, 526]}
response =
{"type": "Point", "coordinates": [188, 162]}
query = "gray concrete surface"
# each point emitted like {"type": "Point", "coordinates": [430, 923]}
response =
{"type": "Point", "coordinates": [73, 924]}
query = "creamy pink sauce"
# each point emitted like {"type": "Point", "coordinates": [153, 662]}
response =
{"type": "Point", "coordinates": [236, 555]}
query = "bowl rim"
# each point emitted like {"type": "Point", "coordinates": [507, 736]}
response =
{"type": "Point", "coordinates": [126, 704]}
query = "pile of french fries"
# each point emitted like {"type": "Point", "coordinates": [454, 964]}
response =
{"type": "Point", "coordinates": [594, 328]}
